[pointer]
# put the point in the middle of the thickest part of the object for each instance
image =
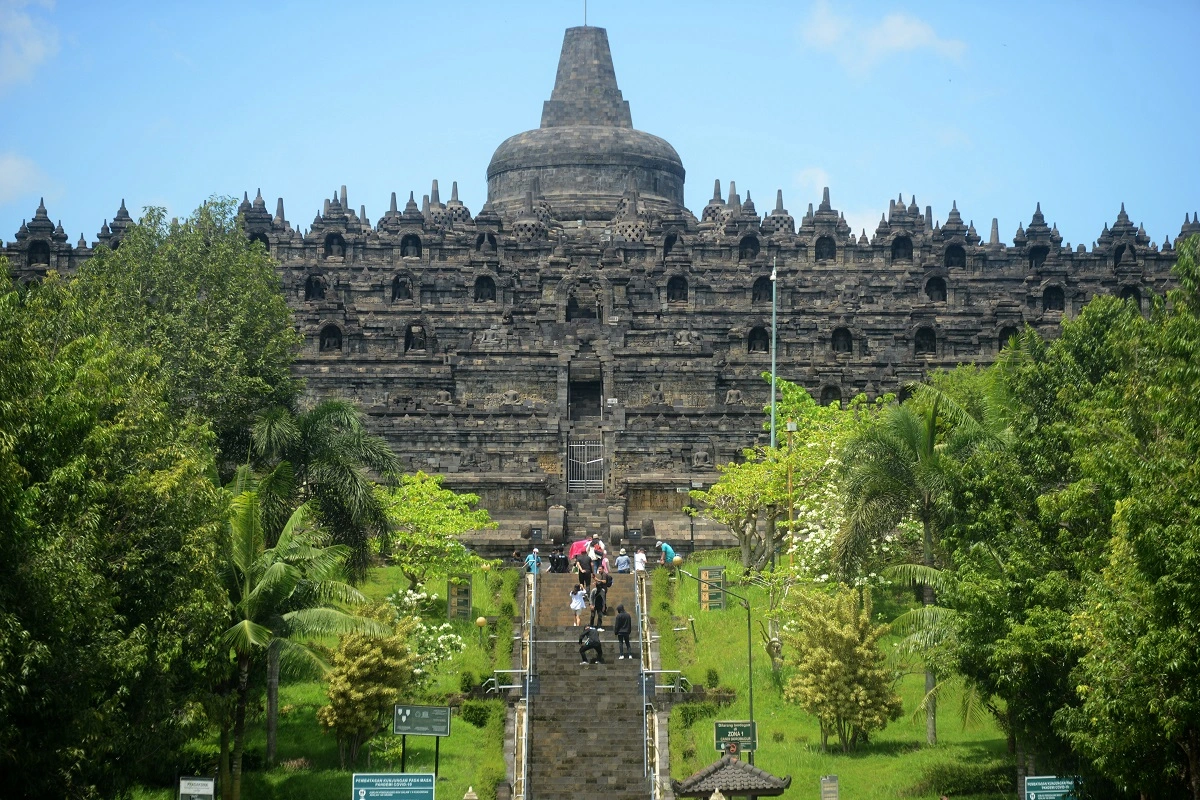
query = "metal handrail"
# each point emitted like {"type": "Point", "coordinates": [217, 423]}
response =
{"type": "Point", "coordinates": [524, 712]}
{"type": "Point", "coordinates": [521, 757]}
{"type": "Point", "coordinates": [680, 684]}
{"type": "Point", "coordinates": [646, 668]}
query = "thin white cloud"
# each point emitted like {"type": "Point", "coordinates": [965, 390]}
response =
{"type": "Point", "coordinates": [812, 181]}
{"type": "Point", "coordinates": [860, 44]}
{"type": "Point", "coordinates": [19, 177]}
{"type": "Point", "coordinates": [25, 40]}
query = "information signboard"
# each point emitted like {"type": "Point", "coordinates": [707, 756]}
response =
{"type": "Point", "coordinates": [1049, 787]}
{"type": "Point", "coordinates": [712, 593]}
{"type": "Point", "coordinates": [421, 721]}
{"type": "Point", "coordinates": [742, 734]}
{"type": "Point", "coordinates": [197, 788]}
{"type": "Point", "coordinates": [829, 787]}
{"type": "Point", "coordinates": [458, 597]}
{"type": "Point", "coordinates": [392, 786]}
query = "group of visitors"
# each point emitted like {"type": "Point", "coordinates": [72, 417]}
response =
{"type": "Point", "coordinates": [589, 560]}
{"type": "Point", "coordinates": [589, 640]}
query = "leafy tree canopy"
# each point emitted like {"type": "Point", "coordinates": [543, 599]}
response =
{"type": "Point", "coordinates": [208, 303]}
{"type": "Point", "coordinates": [424, 520]}
{"type": "Point", "coordinates": [109, 605]}
{"type": "Point", "coordinates": [841, 676]}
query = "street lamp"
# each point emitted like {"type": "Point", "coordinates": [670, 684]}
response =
{"type": "Point", "coordinates": [774, 286]}
{"type": "Point", "coordinates": [481, 623]}
{"type": "Point", "coordinates": [749, 639]}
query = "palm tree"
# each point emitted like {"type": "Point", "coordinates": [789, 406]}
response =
{"type": "Point", "coordinates": [274, 594]}
{"type": "Point", "coordinates": [324, 456]}
{"type": "Point", "coordinates": [901, 467]}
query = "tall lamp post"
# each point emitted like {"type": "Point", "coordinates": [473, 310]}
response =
{"type": "Point", "coordinates": [774, 284]}
{"type": "Point", "coordinates": [749, 636]}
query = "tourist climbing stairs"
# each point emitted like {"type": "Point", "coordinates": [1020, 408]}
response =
{"type": "Point", "coordinates": [586, 727]}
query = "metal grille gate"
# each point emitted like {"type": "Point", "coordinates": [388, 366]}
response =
{"type": "Point", "coordinates": [585, 466]}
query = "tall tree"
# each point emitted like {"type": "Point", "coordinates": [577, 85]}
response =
{"type": "Point", "coordinates": [275, 595]}
{"type": "Point", "coordinates": [752, 497]}
{"type": "Point", "coordinates": [326, 457]}
{"type": "Point", "coordinates": [424, 519]}
{"type": "Point", "coordinates": [109, 603]}
{"type": "Point", "coordinates": [1137, 715]}
{"type": "Point", "coordinates": [898, 468]}
{"type": "Point", "coordinates": [841, 676]}
{"type": "Point", "coordinates": [208, 302]}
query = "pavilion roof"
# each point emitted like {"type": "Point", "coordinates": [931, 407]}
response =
{"type": "Point", "coordinates": [731, 776]}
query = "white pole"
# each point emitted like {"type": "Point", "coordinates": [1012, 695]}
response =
{"type": "Point", "coordinates": [774, 284]}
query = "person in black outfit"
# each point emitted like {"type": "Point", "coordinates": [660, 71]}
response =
{"type": "Point", "coordinates": [590, 640]}
{"type": "Point", "coordinates": [583, 565]}
{"type": "Point", "coordinates": [623, 627]}
{"type": "Point", "coordinates": [558, 561]}
{"type": "Point", "coordinates": [599, 605]}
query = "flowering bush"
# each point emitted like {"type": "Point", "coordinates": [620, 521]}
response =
{"type": "Point", "coordinates": [431, 643]}
{"type": "Point", "coordinates": [817, 519]}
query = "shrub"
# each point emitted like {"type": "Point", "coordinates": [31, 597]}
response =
{"type": "Point", "coordinates": [778, 736]}
{"type": "Point", "coordinates": [712, 678]}
{"type": "Point", "coordinates": [476, 712]}
{"type": "Point", "coordinates": [508, 609]}
{"type": "Point", "coordinates": [966, 778]}
{"type": "Point", "coordinates": [490, 775]}
{"type": "Point", "coordinates": [723, 695]}
{"type": "Point", "coordinates": [690, 713]}
{"type": "Point", "coordinates": [467, 680]}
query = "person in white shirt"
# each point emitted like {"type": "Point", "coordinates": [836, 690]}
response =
{"type": "Point", "coordinates": [639, 560]}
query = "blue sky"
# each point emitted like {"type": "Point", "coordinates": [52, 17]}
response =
{"type": "Point", "coordinates": [1078, 105]}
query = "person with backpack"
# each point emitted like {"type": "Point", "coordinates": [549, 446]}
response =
{"type": "Point", "coordinates": [623, 627]}
{"type": "Point", "coordinates": [595, 551]}
{"type": "Point", "coordinates": [533, 562]}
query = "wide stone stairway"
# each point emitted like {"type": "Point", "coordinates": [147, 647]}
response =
{"type": "Point", "coordinates": [586, 724]}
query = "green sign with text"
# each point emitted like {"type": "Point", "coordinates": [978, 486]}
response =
{"type": "Point", "coordinates": [742, 735]}
{"type": "Point", "coordinates": [421, 721]}
{"type": "Point", "coordinates": [1050, 787]}
{"type": "Point", "coordinates": [392, 786]}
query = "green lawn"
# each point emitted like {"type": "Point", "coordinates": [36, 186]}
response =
{"type": "Point", "coordinates": [307, 765]}
{"type": "Point", "coordinates": [895, 763]}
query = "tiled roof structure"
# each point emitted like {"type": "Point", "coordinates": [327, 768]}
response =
{"type": "Point", "coordinates": [731, 776]}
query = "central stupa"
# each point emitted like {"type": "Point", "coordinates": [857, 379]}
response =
{"type": "Point", "coordinates": [586, 154]}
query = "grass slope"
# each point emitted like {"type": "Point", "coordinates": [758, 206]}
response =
{"type": "Point", "coordinates": [307, 766]}
{"type": "Point", "coordinates": [894, 764]}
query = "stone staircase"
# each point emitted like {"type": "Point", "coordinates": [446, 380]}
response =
{"type": "Point", "coordinates": [587, 514]}
{"type": "Point", "coordinates": [586, 724]}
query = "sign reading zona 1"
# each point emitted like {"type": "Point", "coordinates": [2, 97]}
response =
{"type": "Point", "coordinates": [742, 734]}
{"type": "Point", "coordinates": [421, 721]}
{"type": "Point", "coordinates": [392, 786]}
{"type": "Point", "coordinates": [1049, 787]}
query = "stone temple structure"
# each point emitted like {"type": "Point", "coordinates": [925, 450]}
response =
{"type": "Point", "coordinates": [584, 349]}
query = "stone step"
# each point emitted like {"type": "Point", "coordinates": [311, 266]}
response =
{"type": "Point", "coordinates": [585, 720]}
